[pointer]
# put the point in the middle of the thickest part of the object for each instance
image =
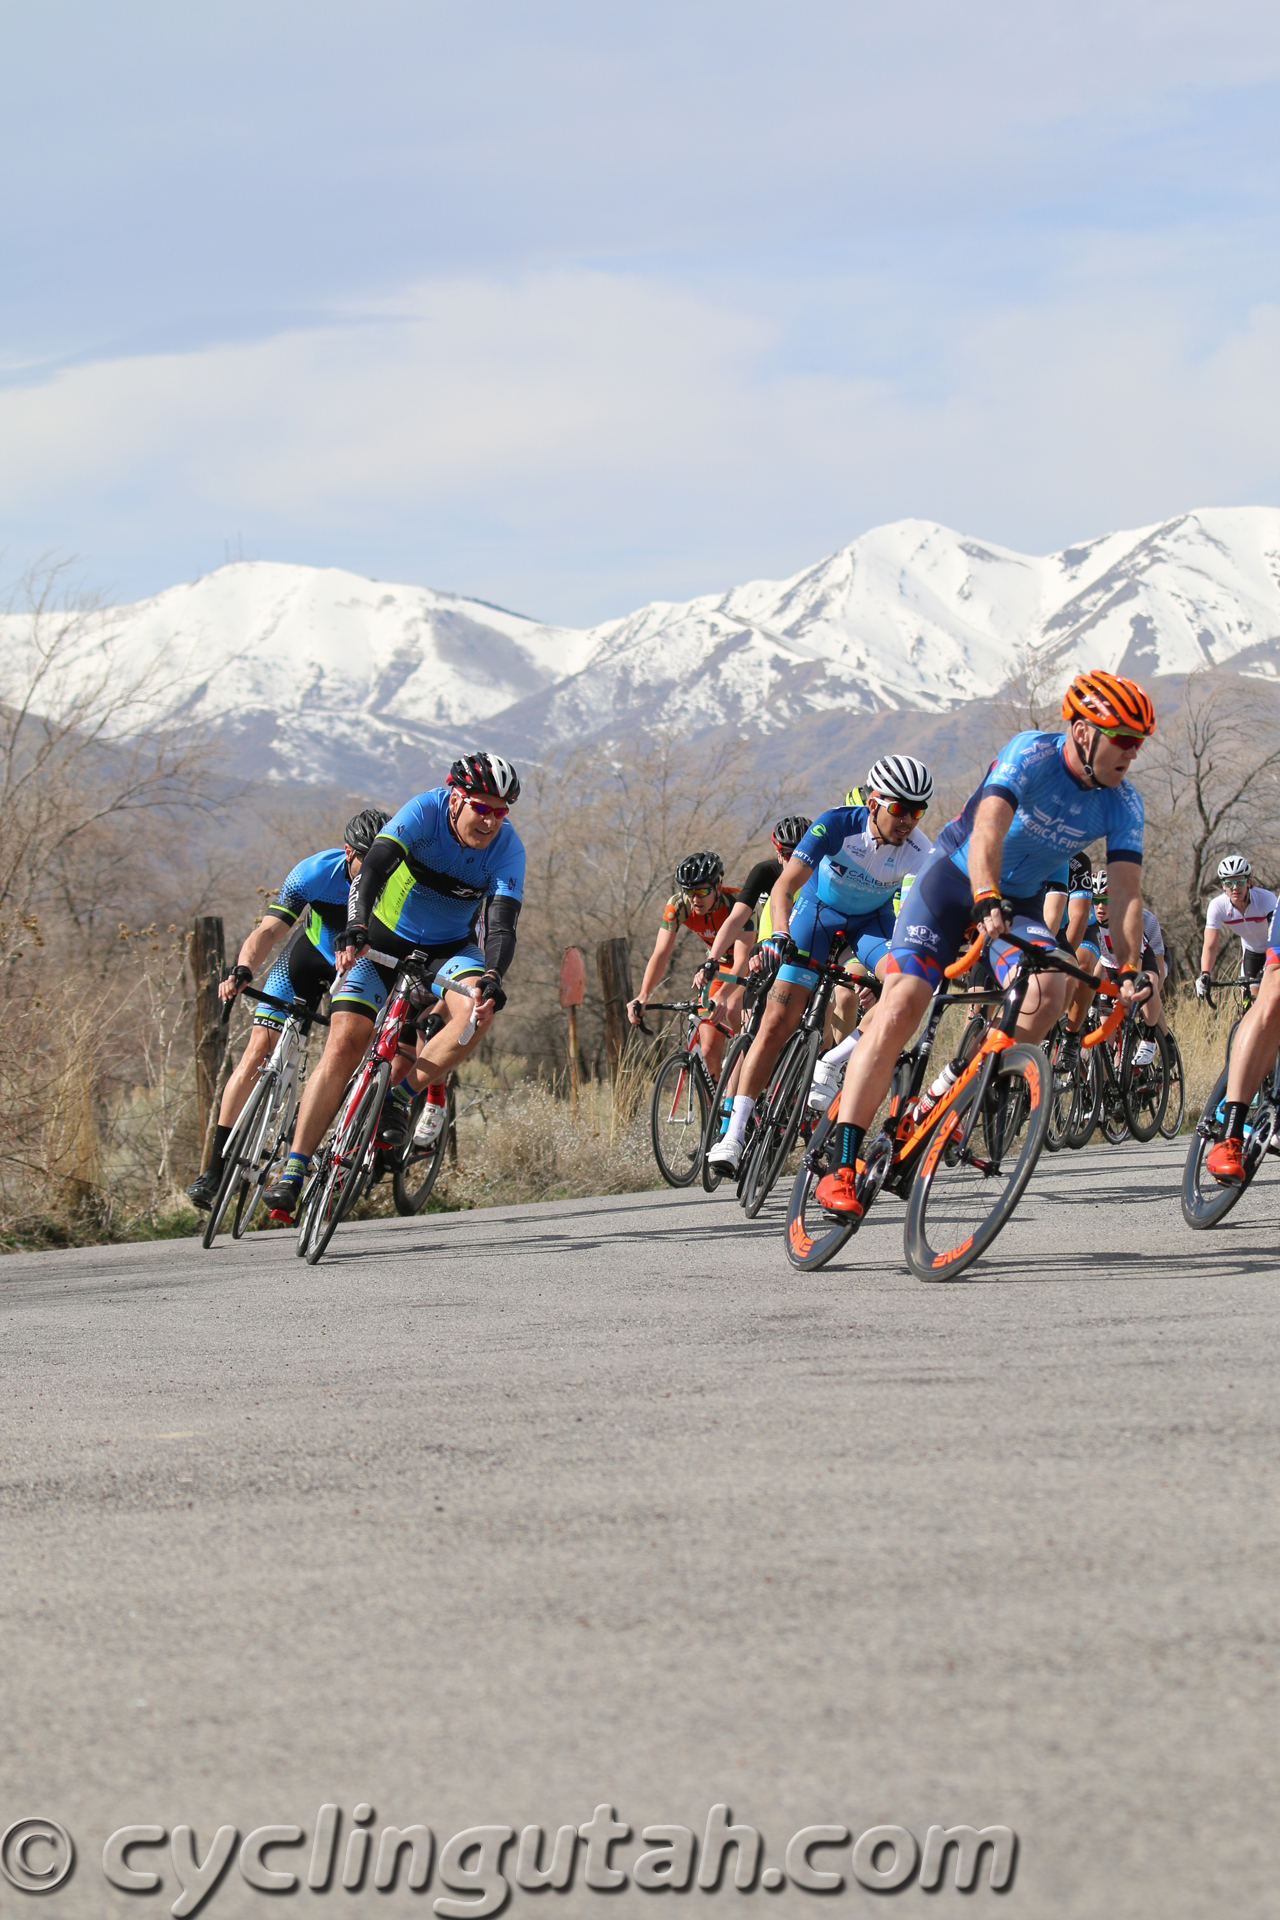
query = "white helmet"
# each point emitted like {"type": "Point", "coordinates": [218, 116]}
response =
{"type": "Point", "coordinates": [1234, 867]}
{"type": "Point", "coordinates": [898, 777]}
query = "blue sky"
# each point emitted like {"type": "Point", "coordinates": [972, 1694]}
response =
{"type": "Point", "coordinates": [573, 307]}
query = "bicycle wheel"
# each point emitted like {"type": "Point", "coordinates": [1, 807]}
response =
{"type": "Point", "coordinates": [346, 1174]}
{"type": "Point", "coordinates": [1088, 1108]}
{"type": "Point", "coordinates": [678, 1119]}
{"type": "Point", "coordinates": [268, 1160]}
{"type": "Point", "coordinates": [238, 1159]}
{"type": "Point", "coordinates": [1204, 1202]}
{"type": "Point", "coordinates": [1065, 1097]}
{"type": "Point", "coordinates": [812, 1236]}
{"type": "Point", "coordinates": [415, 1170]}
{"type": "Point", "coordinates": [1176, 1108]}
{"type": "Point", "coordinates": [782, 1121]}
{"type": "Point", "coordinates": [959, 1201]}
{"type": "Point", "coordinates": [1144, 1090]}
{"type": "Point", "coordinates": [736, 1050]}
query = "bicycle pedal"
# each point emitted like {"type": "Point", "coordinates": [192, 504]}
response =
{"type": "Point", "coordinates": [280, 1217]}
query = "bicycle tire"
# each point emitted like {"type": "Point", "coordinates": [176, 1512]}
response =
{"type": "Point", "coordinates": [1088, 1110]}
{"type": "Point", "coordinates": [1204, 1202]}
{"type": "Point", "coordinates": [249, 1199]}
{"type": "Point", "coordinates": [1113, 1120]}
{"type": "Point", "coordinates": [1176, 1106]}
{"type": "Point", "coordinates": [1064, 1099]}
{"type": "Point", "coordinates": [422, 1163]}
{"type": "Point", "coordinates": [952, 1215]}
{"type": "Point", "coordinates": [739, 1046]}
{"type": "Point", "coordinates": [235, 1161]}
{"type": "Point", "coordinates": [1144, 1090]}
{"type": "Point", "coordinates": [345, 1177]}
{"type": "Point", "coordinates": [671, 1119]}
{"type": "Point", "coordinates": [782, 1122]}
{"type": "Point", "coordinates": [306, 1201]}
{"type": "Point", "coordinates": [808, 1250]}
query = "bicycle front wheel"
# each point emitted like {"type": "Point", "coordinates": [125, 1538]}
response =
{"type": "Point", "coordinates": [1204, 1202]}
{"type": "Point", "coordinates": [960, 1200]}
{"type": "Point", "coordinates": [238, 1160]}
{"type": "Point", "coordinates": [345, 1177]}
{"type": "Point", "coordinates": [1176, 1107]}
{"type": "Point", "coordinates": [1065, 1097]}
{"type": "Point", "coordinates": [812, 1236]}
{"type": "Point", "coordinates": [782, 1120]}
{"type": "Point", "coordinates": [736, 1050]}
{"type": "Point", "coordinates": [678, 1119]}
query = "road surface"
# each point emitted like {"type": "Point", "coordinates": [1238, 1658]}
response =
{"type": "Point", "coordinates": [496, 1518]}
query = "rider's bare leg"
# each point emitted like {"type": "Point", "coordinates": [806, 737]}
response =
{"type": "Point", "coordinates": [258, 1047]}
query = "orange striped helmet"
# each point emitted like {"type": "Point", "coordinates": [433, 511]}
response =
{"type": "Point", "coordinates": [1108, 702]}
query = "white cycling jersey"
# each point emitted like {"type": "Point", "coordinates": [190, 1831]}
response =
{"type": "Point", "coordinates": [1151, 937]}
{"type": "Point", "coordinates": [1251, 925]}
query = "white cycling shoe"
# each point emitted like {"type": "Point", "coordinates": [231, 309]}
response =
{"type": "Point", "coordinates": [430, 1126]}
{"type": "Point", "coordinates": [725, 1156]}
{"type": "Point", "coordinates": [1145, 1053]}
{"type": "Point", "coordinates": [825, 1086]}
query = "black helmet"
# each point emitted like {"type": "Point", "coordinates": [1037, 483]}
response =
{"type": "Point", "coordinates": [361, 832]}
{"type": "Point", "coordinates": [790, 831]}
{"type": "Point", "coordinates": [485, 773]}
{"type": "Point", "coordinates": [700, 870]}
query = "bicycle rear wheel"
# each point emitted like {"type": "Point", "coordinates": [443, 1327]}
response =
{"type": "Point", "coordinates": [678, 1119]}
{"type": "Point", "coordinates": [960, 1201]}
{"type": "Point", "coordinates": [1176, 1108]}
{"type": "Point", "coordinates": [238, 1161]}
{"type": "Point", "coordinates": [736, 1050]}
{"type": "Point", "coordinates": [782, 1119]}
{"type": "Point", "coordinates": [416, 1168]}
{"type": "Point", "coordinates": [1144, 1090]}
{"type": "Point", "coordinates": [346, 1173]}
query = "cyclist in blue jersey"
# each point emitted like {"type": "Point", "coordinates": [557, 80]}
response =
{"type": "Point", "coordinates": [833, 897]}
{"type": "Point", "coordinates": [312, 906]}
{"type": "Point", "coordinates": [1045, 797]}
{"type": "Point", "coordinates": [445, 874]}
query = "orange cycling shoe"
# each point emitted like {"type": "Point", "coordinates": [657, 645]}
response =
{"type": "Point", "coordinates": [1226, 1163]}
{"type": "Point", "coordinates": [838, 1193]}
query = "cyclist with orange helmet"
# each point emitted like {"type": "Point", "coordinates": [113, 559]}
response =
{"type": "Point", "coordinates": [1045, 797]}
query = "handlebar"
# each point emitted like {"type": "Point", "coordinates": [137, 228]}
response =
{"type": "Point", "coordinates": [1047, 958]}
{"type": "Point", "coordinates": [298, 1008]}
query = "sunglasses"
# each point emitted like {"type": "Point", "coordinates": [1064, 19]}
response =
{"type": "Point", "coordinates": [701, 893]}
{"type": "Point", "coordinates": [480, 807]}
{"type": "Point", "coordinates": [1123, 738]}
{"type": "Point", "coordinates": [899, 809]}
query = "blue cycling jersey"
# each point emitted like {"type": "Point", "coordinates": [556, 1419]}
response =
{"type": "Point", "coordinates": [855, 872]}
{"type": "Point", "coordinates": [1054, 815]}
{"type": "Point", "coordinates": [317, 886]}
{"type": "Point", "coordinates": [435, 893]}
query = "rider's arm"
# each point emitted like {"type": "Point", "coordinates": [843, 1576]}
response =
{"type": "Point", "coordinates": [731, 932]}
{"type": "Point", "coordinates": [377, 867]}
{"type": "Point", "coordinates": [1209, 951]}
{"type": "Point", "coordinates": [1124, 889]}
{"type": "Point", "coordinates": [657, 966]}
{"type": "Point", "coordinates": [785, 889]}
{"type": "Point", "coordinates": [986, 846]}
{"type": "Point", "coordinates": [264, 939]}
{"type": "Point", "coordinates": [501, 914]}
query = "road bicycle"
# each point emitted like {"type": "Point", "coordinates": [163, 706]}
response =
{"type": "Point", "coordinates": [684, 1093]}
{"type": "Point", "coordinates": [734, 1055]}
{"type": "Point", "coordinates": [1109, 1089]}
{"type": "Point", "coordinates": [353, 1157]}
{"type": "Point", "coordinates": [963, 1164]}
{"type": "Point", "coordinates": [1204, 1202]}
{"type": "Point", "coordinates": [264, 1127]}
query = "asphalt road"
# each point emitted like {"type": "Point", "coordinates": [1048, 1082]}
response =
{"type": "Point", "coordinates": [494, 1518]}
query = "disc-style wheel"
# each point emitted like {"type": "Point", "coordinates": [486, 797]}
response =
{"type": "Point", "coordinates": [736, 1050]}
{"type": "Point", "coordinates": [415, 1169]}
{"type": "Point", "coordinates": [678, 1119]}
{"type": "Point", "coordinates": [1204, 1202]}
{"type": "Point", "coordinates": [782, 1119]}
{"type": "Point", "coordinates": [812, 1236]}
{"type": "Point", "coordinates": [960, 1199]}
{"type": "Point", "coordinates": [346, 1173]}
{"type": "Point", "coordinates": [1176, 1106]}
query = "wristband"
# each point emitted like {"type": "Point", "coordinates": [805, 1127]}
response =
{"type": "Point", "coordinates": [1128, 973]}
{"type": "Point", "coordinates": [242, 975]}
{"type": "Point", "coordinates": [988, 893]}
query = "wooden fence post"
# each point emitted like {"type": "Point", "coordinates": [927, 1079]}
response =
{"type": "Point", "coordinates": [208, 958]}
{"type": "Point", "coordinates": [613, 957]}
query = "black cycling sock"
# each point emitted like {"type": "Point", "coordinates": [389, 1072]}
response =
{"type": "Point", "coordinates": [1233, 1119]}
{"type": "Point", "coordinates": [221, 1135]}
{"type": "Point", "coordinates": [850, 1140]}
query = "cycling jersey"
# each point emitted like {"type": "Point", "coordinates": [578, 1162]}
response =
{"type": "Point", "coordinates": [1251, 924]}
{"type": "Point", "coordinates": [300, 973]}
{"type": "Point", "coordinates": [434, 894]}
{"type": "Point", "coordinates": [319, 887]}
{"type": "Point", "coordinates": [1054, 815]}
{"type": "Point", "coordinates": [855, 872]}
{"type": "Point", "coordinates": [681, 912]}
{"type": "Point", "coordinates": [1098, 938]}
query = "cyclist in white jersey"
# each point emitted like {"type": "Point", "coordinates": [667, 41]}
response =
{"type": "Point", "coordinates": [1239, 908]}
{"type": "Point", "coordinates": [1097, 952]}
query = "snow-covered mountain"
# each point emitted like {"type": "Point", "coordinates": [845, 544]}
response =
{"type": "Point", "coordinates": [320, 675]}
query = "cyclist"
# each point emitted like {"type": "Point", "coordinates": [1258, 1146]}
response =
{"type": "Point", "coordinates": [318, 886]}
{"type": "Point", "coordinates": [1097, 952]}
{"type": "Point", "coordinates": [702, 903]}
{"type": "Point", "coordinates": [753, 895]}
{"type": "Point", "coordinates": [1045, 796]}
{"type": "Point", "coordinates": [447, 867]}
{"type": "Point", "coordinates": [1071, 893]}
{"type": "Point", "coordinates": [1239, 908]}
{"type": "Point", "coordinates": [860, 854]}
{"type": "Point", "coordinates": [1252, 1055]}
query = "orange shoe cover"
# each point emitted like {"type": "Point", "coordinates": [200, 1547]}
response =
{"type": "Point", "coordinates": [837, 1192]}
{"type": "Point", "coordinates": [1226, 1163]}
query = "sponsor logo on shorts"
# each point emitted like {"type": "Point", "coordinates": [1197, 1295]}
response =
{"type": "Point", "coordinates": [922, 936]}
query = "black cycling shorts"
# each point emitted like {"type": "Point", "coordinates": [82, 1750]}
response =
{"type": "Point", "coordinates": [301, 972]}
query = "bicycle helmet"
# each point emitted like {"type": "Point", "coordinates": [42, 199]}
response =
{"type": "Point", "coordinates": [855, 797]}
{"type": "Point", "coordinates": [898, 777]}
{"type": "Point", "coordinates": [485, 774]}
{"type": "Point", "coordinates": [1099, 885]}
{"type": "Point", "coordinates": [789, 831]}
{"type": "Point", "coordinates": [1107, 701]}
{"type": "Point", "coordinates": [1234, 867]}
{"type": "Point", "coordinates": [699, 870]}
{"type": "Point", "coordinates": [363, 829]}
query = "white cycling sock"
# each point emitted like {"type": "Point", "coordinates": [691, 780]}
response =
{"type": "Point", "coordinates": [743, 1108]}
{"type": "Point", "coordinates": [837, 1056]}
